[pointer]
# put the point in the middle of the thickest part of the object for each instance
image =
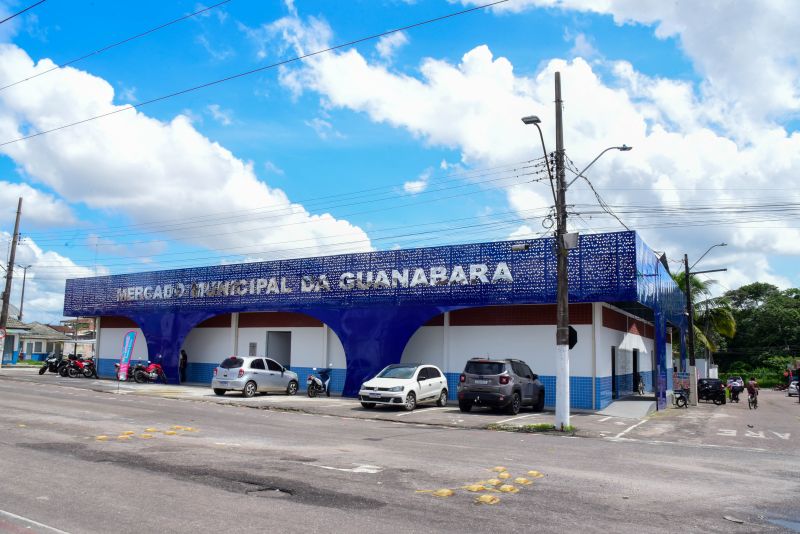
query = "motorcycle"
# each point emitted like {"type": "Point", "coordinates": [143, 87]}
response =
{"type": "Point", "coordinates": [151, 372]}
{"type": "Point", "coordinates": [51, 363]}
{"type": "Point", "coordinates": [63, 366]}
{"type": "Point", "coordinates": [79, 366]}
{"type": "Point", "coordinates": [319, 384]}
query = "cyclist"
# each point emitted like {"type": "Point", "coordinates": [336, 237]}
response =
{"type": "Point", "coordinates": [752, 389]}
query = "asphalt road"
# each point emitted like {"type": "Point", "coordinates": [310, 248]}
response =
{"type": "Point", "coordinates": [228, 467]}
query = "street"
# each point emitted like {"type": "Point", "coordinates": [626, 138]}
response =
{"type": "Point", "coordinates": [187, 466]}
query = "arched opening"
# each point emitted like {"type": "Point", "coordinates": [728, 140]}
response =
{"type": "Point", "coordinates": [110, 333]}
{"type": "Point", "coordinates": [297, 341]}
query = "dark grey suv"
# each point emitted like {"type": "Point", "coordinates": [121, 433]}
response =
{"type": "Point", "coordinates": [505, 383]}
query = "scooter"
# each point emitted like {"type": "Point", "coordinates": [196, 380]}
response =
{"type": "Point", "coordinates": [319, 384]}
{"type": "Point", "coordinates": [149, 372]}
{"type": "Point", "coordinates": [51, 363]}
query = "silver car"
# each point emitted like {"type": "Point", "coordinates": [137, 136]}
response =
{"type": "Point", "coordinates": [251, 375]}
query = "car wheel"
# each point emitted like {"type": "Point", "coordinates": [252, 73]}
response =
{"type": "Point", "coordinates": [464, 406]}
{"type": "Point", "coordinates": [291, 389]}
{"type": "Point", "coordinates": [442, 399]}
{"type": "Point", "coordinates": [515, 404]}
{"type": "Point", "coordinates": [368, 405]}
{"type": "Point", "coordinates": [249, 389]}
{"type": "Point", "coordinates": [411, 402]}
{"type": "Point", "coordinates": [539, 406]}
{"type": "Point", "coordinates": [219, 392]}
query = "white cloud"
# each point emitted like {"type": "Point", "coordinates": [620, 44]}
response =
{"type": "Point", "coordinates": [174, 172]}
{"type": "Point", "coordinates": [218, 53]}
{"type": "Point", "coordinates": [388, 45]}
{"type": "Point", "coordinates": [222, 116]}
{"type": "Point", "coordinates": [128, 94]}
{"type": "Point", "coordinates": [39, 209]}
{"type": "Point", "coordinates": [419, 185]}
{"type": "Point", "coordinates": [273, 169]}
{"type": "Point", "coordinates": [582, 46]}
{"type": "Point", "coordinates": [324, 129]}
{"type": "Point", "coordinates": [684, 157]}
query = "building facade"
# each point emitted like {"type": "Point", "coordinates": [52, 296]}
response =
{"type": "Point", "coordinates": [359, 312]}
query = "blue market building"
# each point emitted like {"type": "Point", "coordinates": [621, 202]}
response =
{"type": "Point", "coordinates": [360, 312]}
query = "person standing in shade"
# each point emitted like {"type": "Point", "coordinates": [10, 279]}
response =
{"type": "Point", "coordinates": [182, 365]}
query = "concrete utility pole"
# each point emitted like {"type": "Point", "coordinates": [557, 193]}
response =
{"type": "Point", "coordinates": [22, 297]}
{"type": "Point", "coordinates": [690, 312]}
{"type": "Point", "coordinates": [562, 302]}
{"type": "Point", "coordinates": [10, 269]}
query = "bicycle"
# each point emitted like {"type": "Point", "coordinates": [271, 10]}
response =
{"type": "Point", "coordinates": [752, 401]}
{"type": "Point", "coordinates": [640, 385]}
{"type": "Point", "coordinates": [680, 398]}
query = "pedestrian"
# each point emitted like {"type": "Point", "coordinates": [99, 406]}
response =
{"type": "Point", "coordinates": [182, 365]}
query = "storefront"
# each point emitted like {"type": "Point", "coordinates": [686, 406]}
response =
{"type": "Point", "coordinates": [357, 313]}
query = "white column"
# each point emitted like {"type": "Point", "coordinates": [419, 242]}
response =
{"type": "Point", "coordinates": [446, 343]}
{"type": "Point", "coordinates": [562, 386]}
{"type": "Point", "coordinates": [96, 341]}
{"type": "Point", "coordinates": [235, 333]}
{"type": "Point", "coordinates": [326, 357]}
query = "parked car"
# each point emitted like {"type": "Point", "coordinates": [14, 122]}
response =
{"type": "Point", "coordinates": [405, 385]}
{"type": "Point", "coordinates": [793, 388]}
{"type": "Point", "coordinates": [253, 374]}
{"type": "Point", "coordinates": [505, 383]}
{"type": "Point", "coordinates": [711, 389]}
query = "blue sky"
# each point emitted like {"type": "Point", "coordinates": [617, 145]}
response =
{"type": "Point", "coordinates": [387, 144]}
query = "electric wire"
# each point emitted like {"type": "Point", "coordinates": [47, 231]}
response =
{"type": "Point", "coordinates": [21, 12]}
{"type": "Point", "coordinates": [251, 72]}
{"type": "Point", "coordinates": [113, 45]}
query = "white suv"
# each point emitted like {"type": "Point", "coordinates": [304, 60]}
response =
{"type": "Point", "coordinates": [405, 385]}
{"type": "Point", "coordinates": [251, 375]}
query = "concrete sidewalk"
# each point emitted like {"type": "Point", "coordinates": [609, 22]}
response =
{"type": "Point", "coordinates": [599, 424]}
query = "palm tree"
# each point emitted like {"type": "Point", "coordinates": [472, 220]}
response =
{"type": "Point", "coordinates": [713, 316]}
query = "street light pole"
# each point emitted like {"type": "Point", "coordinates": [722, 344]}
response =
{"type": "Point", "coordinates": [22, 297]}
{"type": "Point", "coordinates": [10, 269]}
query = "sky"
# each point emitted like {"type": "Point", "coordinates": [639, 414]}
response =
{"type": "Point", "coordinates": [411, 139]}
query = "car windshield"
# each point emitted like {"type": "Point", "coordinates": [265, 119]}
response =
{"type": "Point", "coordinates": [231, 363]}
{"type": "Point", "coordinates": [398, 371]}
{"type": "Point", "coordinates": [485, 368]}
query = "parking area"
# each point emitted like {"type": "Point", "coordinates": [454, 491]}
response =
{"type": "Point", "coordinates": [774, 426]}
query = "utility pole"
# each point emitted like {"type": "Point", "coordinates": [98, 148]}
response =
{"type": "Point", "coordinates": [562, 302]}
{"type": "Point", "coordinates": [690, 312]}
{"type": "Point", "coordinates": [22, 297]}
{"type": "Point", "coordinates": [10, 269]}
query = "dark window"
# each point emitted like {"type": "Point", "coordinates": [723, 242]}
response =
{"type": "Point", "coordinates": [423, 374]}
{"type": "Point", "coordinates": [232, 363]}
{"type": "Point", "coordinates": [485, 368]}
{"type": "Point", "coordinates": [273, 365]}
{"type": "Point", "coordinates": [518, 370]}
{"type": "Point", "coordinates": [258, 363]}
{"type": "Point", "coordinates": [527, 370]}
{"type": "Point", "coordinates": [433, 372]}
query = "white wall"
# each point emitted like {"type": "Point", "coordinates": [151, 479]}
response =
{"type": "Point", "coordinates": [307, 346]}
{"type": "Point", "coordinates": [625, 343]}
{"type": "Point", "coordinates": [207, 345]}
{"type": "Point", "coordinates": [336, 356]}
{"type": "Point", "coordinates": [426, 346]}
{"type": "Point", "coordinates": [111, 344]}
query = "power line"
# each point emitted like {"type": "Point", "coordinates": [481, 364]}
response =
{"type": "Point", "coordinates": [113, 45]}
{"type": "Point", "coordinates": [21, 12]}
{"type": "Point", "coordinates": [600, 200]}
{"type": "Point", "coordinates": [252, 71]}
{"type": "Point", "coordinates": [309, 204]}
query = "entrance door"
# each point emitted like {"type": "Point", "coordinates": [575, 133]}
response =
{"type": "Point", "coordinates": [8, 348]}
{"type": "Point", "coordinates": [279, 347]}
{"type": "Point", "coordinates": [635, 380]}
{"type": "Point", "coordinates": [613, 372]}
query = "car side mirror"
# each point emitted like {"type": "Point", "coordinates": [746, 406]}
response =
{"type": "Point", "coordinates": [534, 376]}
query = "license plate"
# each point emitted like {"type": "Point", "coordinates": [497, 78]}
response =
{"type": "Point", "coordinates": [479, 381]}
{"type": "Point", "coordinates": [223, 382]}
{"type": "Point", "coordinates": [375, 395]}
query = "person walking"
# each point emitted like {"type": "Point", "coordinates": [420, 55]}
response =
{"type": "Point", "coordinates": [182, 365]}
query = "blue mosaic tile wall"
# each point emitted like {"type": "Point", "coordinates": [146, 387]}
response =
{"type": "Point", "coordinates": [603, 391]}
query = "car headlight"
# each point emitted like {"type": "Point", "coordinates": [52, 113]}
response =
{"type": "Point", "coordinates": [396, 388]}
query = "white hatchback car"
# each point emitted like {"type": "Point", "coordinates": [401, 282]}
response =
{"type": "Point", "coordinates": [792, 391]}
{"type": "Point", "coordinates": [405, 385]}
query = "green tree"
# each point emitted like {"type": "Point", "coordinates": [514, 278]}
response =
{"type": "Point", "coordinates": [714, 322]}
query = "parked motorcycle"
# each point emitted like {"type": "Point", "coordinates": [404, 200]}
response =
{"type": "Point", "coordinates": [80, 366]}
{"type": "Point", "coordinates": [149, 372]}
{"type": "Point", "coordinates": [51, 363]}
{"type": "Point", "coordinates": [318, 385]}
{"type": "Point", "coordinates": [63, 366]}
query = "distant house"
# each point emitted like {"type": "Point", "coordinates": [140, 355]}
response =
{"type": "Point", "coordinates": [14, 329]}
{"type": "Point", "coordinates": [40, 340]}
{"type": "Point", "coordinates": [81, 336]}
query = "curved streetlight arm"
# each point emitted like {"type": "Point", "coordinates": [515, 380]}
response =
{"type": "Point", "coordinates": [623, 148]}
{"type": "Point", "coordinates": [706, 252]}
